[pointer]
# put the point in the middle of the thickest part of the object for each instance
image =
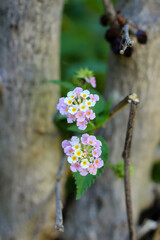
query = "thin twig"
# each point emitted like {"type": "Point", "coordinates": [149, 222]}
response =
{"type": "Point", "coordinates": [126, 155]}
{"type": "Point", "coordinates": [148, 226]}
{"type": "Point", "coordinates": [122, 104]}
{"type": "Point", "coordinates": [126, 41]}
{"type": "Point", "coordinates": [157, 233]}
{"type": "Point", "coordinates": [59, 218]}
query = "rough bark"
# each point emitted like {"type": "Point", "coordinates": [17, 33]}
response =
{"type": "Point", "coordinates": [100, 213]}
{"type": "Point", "coordinates": [29, 143]}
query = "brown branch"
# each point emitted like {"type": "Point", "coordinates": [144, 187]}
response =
{"type": "Point", "coordinates": [131, 97]}
{"type": "Point", "coordinates": [126, 41]}
{"type": "Point", "coordinates": [59, 218]}
{"type": "Point", "coordinates": [126, 155]}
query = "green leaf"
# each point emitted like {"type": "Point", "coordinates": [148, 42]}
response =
{"type": "Point", "coordinates": [118, 169]}
{"type": "Point", "coordinates": [103, 116]}
{"type": "Point", "coordinates": [59, 117]}
{"type": "Point", "coordinates": [100, 105]}
{"type": "Point", "coordinates": [74, 128]}
{"type": "Point", "coordinates": [155, 176]}
{"type": "Point", "coordinates": [61, 122]}
{"type": "Point", "coordinates": [63, 84]}
{"type": "Point", "coordinates": [84, 182]}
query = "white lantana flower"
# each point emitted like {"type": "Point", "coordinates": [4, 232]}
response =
{"type": "Point", "coordinates": [85, 163]}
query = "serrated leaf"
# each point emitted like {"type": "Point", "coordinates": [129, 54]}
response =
{"type": "Point", "coordinates": [84, 182]}
{"type": "Point", "coordinates": [63, 84]}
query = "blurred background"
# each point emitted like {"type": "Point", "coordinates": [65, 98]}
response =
{"type": "Point", "coordinates": [51, 40]}
{"type": "Point", "coordinates": [82, 40]}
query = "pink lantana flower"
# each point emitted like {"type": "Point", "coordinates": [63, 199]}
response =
{"type": "Point", "coordinates": [77, 107]}
{"type": "Point", "coordinates": [84, 138]}
{"type": "Point", "coordinates": [93, 82]}
{"type": "Point", "coordinates": [98, 162]}
{"type": "Point", "coordinates": [68, 150]}
{"type": "Point", "coordinates": [92, 169]}
{"type": "Point", "coordinates": [96, 152]}
{"type": "Point", "coordinates": [83, 172]}
{"type": "Point", "coordinates": [90, 114]}
{"type": "Point", "coordinates": [82, 155]}
{"type": "Point", "coordinates": [80, 116]}
{"type": "Point", "coordinates": [74, 167]}
{"type": "Point", "coordinates": [71, 118]}
{"type": "Point", "coordinates": [82, 125]}
{"type": "Point", "coordinates": [94, 97]}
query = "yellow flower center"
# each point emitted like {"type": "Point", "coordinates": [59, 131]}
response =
{"type": "Point", "coordinates": [74, 109]}
{"type": "Point", "coordinates": [84, 95]}
{"type": "Point", "coordinates": [78, 153]}
{"type": "Point", "coordinates": [74, 158]}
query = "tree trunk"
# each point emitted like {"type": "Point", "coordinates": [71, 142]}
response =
{"type": "Point", "coordinates": [29, 143]}
{"type": "Point", "coordinates": [100, 213]}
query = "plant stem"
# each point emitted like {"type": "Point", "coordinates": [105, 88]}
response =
{"type": "Point", "coordinates": [130, 98]}
{"type": "Point", "coordinates": [126, 41]}
{"type": "Point", "coordinates": [59, 218]}
{"type": "Point", "coordinates": [127, 184]}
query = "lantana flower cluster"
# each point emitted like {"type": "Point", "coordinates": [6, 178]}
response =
{"type": "Point", "coordinates": [83, 154]}
{"type": "Point", "coordinates": [77, 106]}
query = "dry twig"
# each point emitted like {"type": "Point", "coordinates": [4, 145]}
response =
{"type": "Point", "coordinates": [126, 41]}
{"type": "Point", "coordinates": [59, 218]}
{"type": "Point", "coordinates": [148, 225]}
{"type": "Point", "coordinates": [131, 97]}
{"type": "Point", "coordinates": [126, 155]}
